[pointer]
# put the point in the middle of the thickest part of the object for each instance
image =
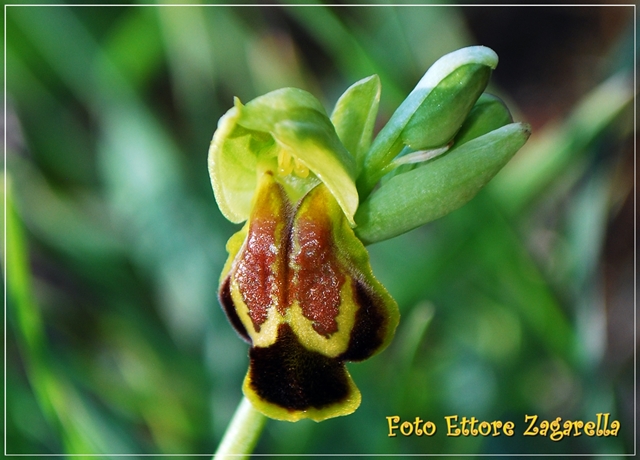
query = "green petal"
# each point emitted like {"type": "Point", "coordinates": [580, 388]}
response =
{"type": "Point", "coordinates": [318, 147]}
{"type": "Point", "coordinates": [354, 116]}
{"type": "Point", "coordinates": [436, 188]}
{"type": "Point", "coordinates": [489, 113]}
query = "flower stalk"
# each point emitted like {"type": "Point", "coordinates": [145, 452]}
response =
{"type": "Point", "coordinates": [242, 434]}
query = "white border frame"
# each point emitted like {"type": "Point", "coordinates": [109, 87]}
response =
{"type": "Point", "coordinates": [333, 5]}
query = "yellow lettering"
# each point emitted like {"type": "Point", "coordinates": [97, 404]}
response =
{"type": "Point", "coordinates": [450, 426]}
{"type": "Point", "coordinates": [417, 429]}
{"type": "Point", "coordinates": [391, 420]}
{"type": "Point", "coordinates": [556, 432]}
{"type": "Point", "coordinates": [484, 428]}
{"type": "Point", "coordinates": [544, 427]}
{"type": "Point", "coordinates": [577, 425]}
{"type": "Point", "coordinates": [615, 426]}
{"type": "Point", "coordinates": [497, 424]}
{"type": "Point", "coordinates": [474, 431]}
{"type": "Point", "coordinates": [589, 428]}
{"type": "Point", "coordinates": [508, 428]}
{"type": "Point", "coordinates": [531, 430]}
{"type": "Point", "coordinates": [599, 429]}
{"type": "Point", "coordinates": [429, 428]}
{"type": "Point", "coordinates": [607, 432]}
{"type": "Point", "coordinates": [463, 426]}
{"type": "Point", "coordinates": [406, 428]}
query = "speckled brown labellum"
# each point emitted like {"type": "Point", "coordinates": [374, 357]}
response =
{"type": "Point", "coordinates": [299, 288]}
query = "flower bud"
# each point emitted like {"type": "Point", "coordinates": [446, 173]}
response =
{"type": "Point", "coordinates": [434, 111]}
{"type": "Point", "coordinates": [434, 189]}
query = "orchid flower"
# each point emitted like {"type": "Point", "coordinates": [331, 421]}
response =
{"type": "Point", "coordinates": [313, 189]}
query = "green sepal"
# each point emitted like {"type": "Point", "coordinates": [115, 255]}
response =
{"type": "Point", "coordinates": [438, 187]}
{"type": "Point", "coordinates": [433, 112]}
{"type": "Point", "coordinates": [250, 137]}
{"type": "Point", "coordinates": [354, 116]}
{"type": "Point", "coordinates": [232, 164]}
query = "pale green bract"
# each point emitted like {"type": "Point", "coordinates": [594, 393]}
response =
{"type": "Point", "coordinates": [288, 122]}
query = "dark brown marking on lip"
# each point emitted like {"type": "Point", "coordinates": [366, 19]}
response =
{"type": "Point", "coordinates": [369, 330]}
{"type": "Point", "coordinates": [224, 296]}
{"type": "Point", "coordinates": [292, 377]}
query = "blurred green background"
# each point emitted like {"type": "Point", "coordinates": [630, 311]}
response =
{"type": "Point", "coordinates": [521, 302]}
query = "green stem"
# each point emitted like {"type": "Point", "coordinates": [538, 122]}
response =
{"type": "Point", "coordinates": [242, 433]}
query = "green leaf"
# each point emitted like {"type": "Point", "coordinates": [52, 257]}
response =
{"type": "Point", "coordinates": [355, 114]}
{"type": "Point", "coordinates": [437, 188]}
{"type": "Point", "coordinates": [434, 111]}
{"type": "Point", "coordinates": [288, 123]}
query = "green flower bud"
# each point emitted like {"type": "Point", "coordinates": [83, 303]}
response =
{"type": "Point", "coordinates": [434, 111]}
{"type": "Point", "coordinates": [437, 187]}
